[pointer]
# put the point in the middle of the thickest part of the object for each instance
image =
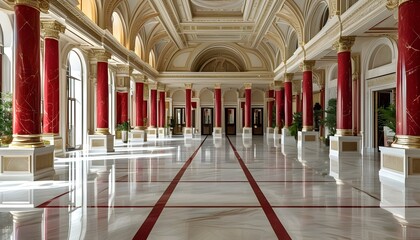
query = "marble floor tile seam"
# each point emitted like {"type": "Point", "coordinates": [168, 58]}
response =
{"type": "Point", "coordinates": [150, 221]}
{"type": "Point", "coordinates": [272, 217]}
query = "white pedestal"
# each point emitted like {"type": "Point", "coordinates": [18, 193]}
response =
{"type": "Point", "coordinates": [277, 133]}
{"type": "Point", "coordinates": [152, 133]}
{"type": "Point", "coordinates": [286, 138]}
{"type": "Point", "coordinates": [342, 146]}
{"type": "Point", "coordinates": [161, 133]}
{"type": "Point", "coordinates": [26, 164]}
{"type": "Point", "coordinates": [137, 136]}
{"type": "Point", "coordinates": [307, 139]}
{"type": "Point", "coordinates": [217, 132]}
{"type": "Point", "coordinates": [101, 143]}
{"type": "Point", "coordinates": [247, 132]}
{"type": "Point", "coordinates": [188, 133]}
{"type": "Point", "coordinates": [247, 142]}
{"type": "Point", "coordinates": [57, 142]}
{"type": "Point", "coordinates": [400, 166]}
{"type": "Point", "coordinates": [269, 132]}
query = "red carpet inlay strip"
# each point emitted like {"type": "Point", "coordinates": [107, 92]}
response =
{"type": "Point", "coordinates": [153, 216]}
{"type": "Point", "coordinates": [277, 226]}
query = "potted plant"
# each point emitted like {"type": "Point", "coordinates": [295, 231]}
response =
{"type": "Point", "coordinates": [6, 119]}
{"type": "Point", "coordinates": [125, 128]}
{"type": "Point", "coordinates": [330, 120]}
{"type": "Point", "coordinates": [296, 125]}
{"type": "Point", "coordinates": [387, 118]}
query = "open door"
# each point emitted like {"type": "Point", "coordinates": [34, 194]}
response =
{"type": "Point", "coordinates": [257, 121]}
{"type": "Point", "coordinates": [179, 121]}
{"type": "Point", "coordinates": [230, 121]}
{"type": "Point", "coordinates": [207, 121]}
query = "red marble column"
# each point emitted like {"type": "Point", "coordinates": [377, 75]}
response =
{"type": "Point", "coordinates": [408, 75]}
{"type": "Point", "coordinates": [102, 126]}
{"type": "Point", "coordinates": [162, 109]}
{"type": "Point", "coordinates": [119, 96]}
{"type": "Point", "coordinates": [139, 105]}
{"type": "Point", "coordinates": [188, 106]}
{"type": "Point", "coordinates": [344, 87]}
{"type": "Point", "coordinates": [279, 106]}
{"type": "Point", "coordinates": [270, 108]}
{"type": "Point", "coordinates": [27, 94]}
{"type": "Point", "coordinates": [247, 108]}
{"type": "Point", "coordinates": [288, 111]}
{"type": "Point", "coordinates": [218, 105]}
{"type": "Point", "coordinates": [124, 106]}
{"type": "Point", "coordinates": [153, 107]}
{"type": "Point", "coordinates": [307, 96]}
{"type": "Point", "coordinates": [51, 118]}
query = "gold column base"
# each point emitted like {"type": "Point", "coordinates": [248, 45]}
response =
{"type": "Point", "coordinates": [102, 131]}
{"type": "Point", "coordinates": [344, 132]}
{"type": "Point", "coordinates": [406, 142]}
{"type": "Point", "coordinates": [27, 141]}
{"type": "Point", "coordinates": [307, 128]}
{"type": "Point", "coordinates": [140, 128]}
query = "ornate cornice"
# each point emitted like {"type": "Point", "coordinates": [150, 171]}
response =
{"type": "Point", "coordinates": [101, 55]}
{"type": "Point", "coordinates": [124, 70]}
{"type": "Point", "coordinates": [248, 85]}
{"type": "Point", "coordinates": [344, 44]}
{"type": "Point", "coordinates": [288, 77]}
{"type": "Point", "coordinates": [307, 65]}
{"type": "Point", "coordinates": [52, 29]}
{"type": "Point", "coordinates": [40, 5]}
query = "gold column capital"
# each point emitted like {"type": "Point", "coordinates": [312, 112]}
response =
{"type": "Point", "coordinates": [392, 4]}
{"type": "Point", "coordinates": [288, 77]}
{"type": "Point", "coordinates": [248, 85]}
{"type": "Point", "coordinates": [101, 55]}
{"type": "Point", "coordinates": [124, 70]}
{"type": "Point", "coordinates": [40, 5]}
{"type": "Point", "coordinates": [188, 85]}
{"type": "Point", "coordinates": [140, 78]}
{"type": "Point", "coordinates": [153, 86]}
{"type": "Point", "coordinates": [52, 29]}
{"type": "Point", "coordinates": [217, 86]}
{"type": "Point", "coordinates": [278, 85]}
{"type": "Point", "coordinates": [307, 65]}
{"type": "Point", "coordinates": [344, 44]}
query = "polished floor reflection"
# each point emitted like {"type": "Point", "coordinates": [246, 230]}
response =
{"type": "Point", "coordinates": [205, 188]}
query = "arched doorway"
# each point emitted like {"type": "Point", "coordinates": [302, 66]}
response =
{"type": "Point", "coordinates": [74, 92]}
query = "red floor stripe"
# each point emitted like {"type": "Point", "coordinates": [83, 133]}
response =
{"type": "Point", "coordinates": [153, 216]}
{"type": "Point", "coordinates": [45, 204]}
{"type": "Point", "coordinates": [277, 226]}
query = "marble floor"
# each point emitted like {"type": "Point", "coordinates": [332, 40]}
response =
{"type": "Point", "coordinates": [204, 188]}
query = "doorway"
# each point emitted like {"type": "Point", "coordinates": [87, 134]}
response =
{"type": "Point", "coordinates": [230, 121]}
{"type": "Point", "coordinates": [257, 121]}
{"type": "Point", "coordinates": [382, 99]}
{"type": "Point", "coordinates": [207, 121]}
{"type": "Point", "coordinates": [74, 89]}
{"type": "Point", "coordinates": [179, 121]}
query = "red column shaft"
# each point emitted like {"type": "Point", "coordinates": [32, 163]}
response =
{"type": "Point", "coordinates": [408, 75]}
{"type": "Point", "coordinates": [102, 95]}
{"type": "Point", "coordinates": [162, 114]}
{"type": "Point", "coordinates": [307, 98]}
{"type": "Point", "coordinates": [139, 104]}
{"type": "Point", "coordinates": [218, 106]}
{"type": "Point", "coordinates": [270, 109]}
{"type": "Point", "coordinates": [145, 109]}
{"type": "Point", "coordinates": [51, 87]}
{"type": "Point", "coordinates": [119, 121]}
{"type": "Point", "coordinates": [279, 103]}
{"type": "Point", "coordinates": [124, 107]}
{"type": "Point", "coordinates": [247, 108]}
{"type": "Point", "coordinates": [344, 89]}
{"type": "Point", "coordinates": [153, 108]}
{"type": "Point", "coordinates": [188, 108]}
{"type": "Point", "coordinates": [288, 111]}
{"type": "Point", "coordinates": [27, 95]}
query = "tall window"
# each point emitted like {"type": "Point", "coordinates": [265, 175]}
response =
{"type": "Point", "coordinates": [117, 27]}
{"type": "Point", "coordinates": [74, 102]}
{"type": "Point", "coordinates": [88, 7]}
{"type": "Point", "coordinates": [138, 47]}
{"type": "Point", "coordinates": [152, 60]}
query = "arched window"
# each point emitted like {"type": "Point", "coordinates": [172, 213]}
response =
{"type": "Point", "coordinates": [138, 47]}
{"type": "Point", "coordinates": [88, 7]}
{"type": "Point", "coordinates": [324, 18]}
{"type": "Point", "coordinates": [117, 27]}
{"type": "Point", "coordinates": [74, 101]}
{"type": "Point", "coordinates": [152, 60]}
